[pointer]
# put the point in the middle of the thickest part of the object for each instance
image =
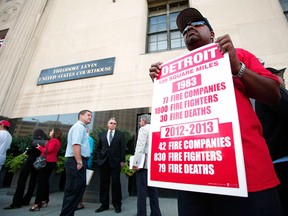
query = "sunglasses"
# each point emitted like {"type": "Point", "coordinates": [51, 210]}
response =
{"type": "Point", "coordinates": [193, 24]}
{"type": "Point", "coordinates": [112, 123]}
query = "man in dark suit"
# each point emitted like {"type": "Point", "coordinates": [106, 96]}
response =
{"type": "Point", "coordinates": [110, 158]}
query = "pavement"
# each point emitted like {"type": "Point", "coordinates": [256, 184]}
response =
{"type": "Point", "coordinates": [168, 207]}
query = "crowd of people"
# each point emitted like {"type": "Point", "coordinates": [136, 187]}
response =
{"type": "Point", "coordinates": [265, 154]}
{"type": "Point", "coordinates": [28, 170]}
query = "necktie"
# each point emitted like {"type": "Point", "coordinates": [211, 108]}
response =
{"type": "Point", "coordinates": [110, 137]}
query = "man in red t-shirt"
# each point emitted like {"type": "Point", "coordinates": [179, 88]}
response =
{"type": "Point", "coordinates": [251, 80]}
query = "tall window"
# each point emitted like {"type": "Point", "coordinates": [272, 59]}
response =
{"type": "Point", "coordinates": [284, 4]}
{"type": "Point", "coordinates": [3, 34]}
{"type": "Point", "coordinates": [163, 33]}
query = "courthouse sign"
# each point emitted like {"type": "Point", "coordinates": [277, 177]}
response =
{"type": "Point", "coordinates": [77, 71]}
{"type": "Point", "coordinates": [196, 143]}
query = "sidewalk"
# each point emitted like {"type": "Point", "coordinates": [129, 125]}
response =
{"type": "Point", "coordinates": [168, 207]}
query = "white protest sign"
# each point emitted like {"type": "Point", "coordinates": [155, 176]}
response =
{"type": "Point", "coordinates": [195, 136]}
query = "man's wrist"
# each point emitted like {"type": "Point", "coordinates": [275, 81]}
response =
{"type": "Point", "coordinates": [241, 70]}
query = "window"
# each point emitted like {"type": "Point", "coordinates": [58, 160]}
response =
{"type": "Point", "coordinates": [163, 33]}
{"type": "Point", "coordinates": [3, 34]}
{"type": "Point", "coordinates": [284, 4]}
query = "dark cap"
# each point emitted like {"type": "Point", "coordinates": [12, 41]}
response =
{"type": "Point", "coordinates": [5, 123]}
{"type": "Point", "coordinates": [190, 14]}
{"type": "Point", "coordinates": [275, 71]}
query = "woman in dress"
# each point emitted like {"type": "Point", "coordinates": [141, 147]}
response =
{"type": "Point", "coordinates": [50, 151]}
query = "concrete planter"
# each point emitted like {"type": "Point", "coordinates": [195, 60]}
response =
{"type": "Point", "coordinates": [53, 183]}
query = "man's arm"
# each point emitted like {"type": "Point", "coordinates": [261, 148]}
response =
{"type": "Point", "coordinates": [260, 88]}
{"type": "Point", "coordinates": [98, 148]}
{"type": "Point", "coordinates": [281, 109]}
{"type": "Point", "coordinates": [140, 147]}
{"type": "Point", "coordinates": [263, 89]}
{"type": "Point", "coordinates": [77, 154]}
{"type": "Point", "coordinates": [123, 149]}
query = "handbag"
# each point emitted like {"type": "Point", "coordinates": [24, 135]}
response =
{"type": "Point", "coordinates": [40, 162]}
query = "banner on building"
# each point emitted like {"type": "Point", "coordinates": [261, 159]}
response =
{"type": "Point", "coordinates": [77, 71]}
{"type": "Point", "coordinates": [195, 136]}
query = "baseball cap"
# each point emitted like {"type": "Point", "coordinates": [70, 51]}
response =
{"type": "Point", "coordinates": [190, 14]}
{"type": "Point", "coordinates": [275, 71]}
{"type": "Point", "coordinates": [5, 123]}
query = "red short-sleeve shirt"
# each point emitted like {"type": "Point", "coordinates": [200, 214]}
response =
{"type": "Point", "coordinates": [260, 172]}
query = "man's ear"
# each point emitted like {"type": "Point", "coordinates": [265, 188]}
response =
{"type": "Point", "coordinates": [212, 35]}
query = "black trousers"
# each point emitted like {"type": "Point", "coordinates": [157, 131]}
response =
{"type": "Point", "coordinates": [261, 203]}
{"type": "Point", "coordinates": [142, 190]}
{"type": "Point", "coordinates": [27, 169]}
{"type": "Point", "coordinates": [42, 192]}
{"type": "Point", "coordinates": [74, 186]}
{"type": "Point", "coordinates": [105, 173]}
{"type": "Point", "coordinates": [281, 170]}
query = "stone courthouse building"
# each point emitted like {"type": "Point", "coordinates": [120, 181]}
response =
{"type": "Point", "coordinates": [58, 57]}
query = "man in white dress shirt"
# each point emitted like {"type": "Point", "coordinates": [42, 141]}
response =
{"type": "Point", "coordinates": [142, 147]}
{"type": "Point", "coordinates": [5, 140]}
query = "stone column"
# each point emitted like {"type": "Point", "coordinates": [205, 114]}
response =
{"type": "Point", "coordinates": [22, 18]}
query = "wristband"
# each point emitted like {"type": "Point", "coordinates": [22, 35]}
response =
{"type": "Point", "coordinates": [241, 71]}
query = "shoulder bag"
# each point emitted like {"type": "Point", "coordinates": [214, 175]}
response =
{"type": "Point", "coordinates": [40, 162]}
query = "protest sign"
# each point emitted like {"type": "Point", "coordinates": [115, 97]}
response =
{"type": "Point", "coordinates": [195, 140]}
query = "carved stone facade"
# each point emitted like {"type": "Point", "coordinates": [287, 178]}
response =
{"type": "Point", "coordinates": [51, 33]}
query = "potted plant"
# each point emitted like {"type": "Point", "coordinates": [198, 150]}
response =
{"type": "Point", "coordinates": [125, 169]}
{"type": "Point", "coordinates": [16, 155]}
{"type": "Point", "coordinates": [14, 163]}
